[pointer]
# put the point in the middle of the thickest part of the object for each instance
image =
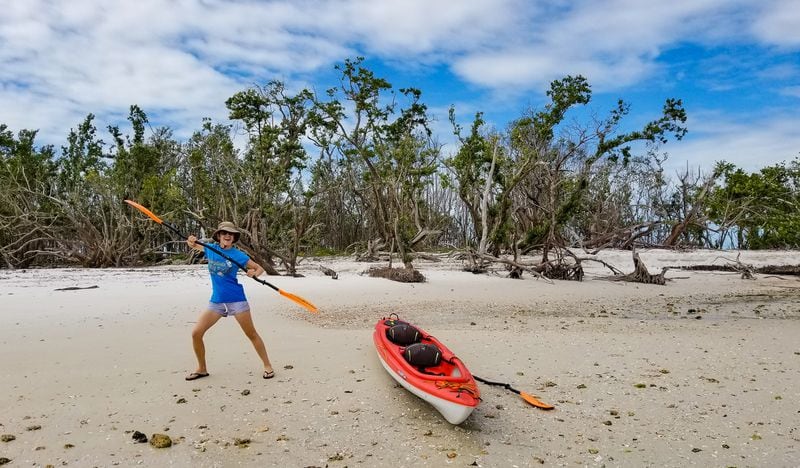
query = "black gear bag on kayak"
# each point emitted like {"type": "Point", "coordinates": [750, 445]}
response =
{"type": "Point", "coordinates": [423, 355]}
{"type": "Point", "coordinates": [403, 334]}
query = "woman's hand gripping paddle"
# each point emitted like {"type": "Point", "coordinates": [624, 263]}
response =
{"type": "Point", "coordinates": [297, 299]}
{"type": "Point", "coordinates": [525, 396]}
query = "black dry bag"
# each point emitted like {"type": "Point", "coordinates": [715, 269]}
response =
{"type": "Point", "coordinates": [403, 334]}
{"type": "Point", "coordinates": [423, 355]}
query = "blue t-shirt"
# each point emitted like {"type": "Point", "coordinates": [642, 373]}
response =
{"type": "Point", "coordinates": [225, 286]}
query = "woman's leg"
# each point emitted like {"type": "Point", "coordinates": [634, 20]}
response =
{"type": "Point", "coordinates": [245, 320]}
{"type": "Point", "coordinates": [207, 320]}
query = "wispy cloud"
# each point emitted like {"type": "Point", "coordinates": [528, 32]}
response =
{"type": "Point", "coordinates": [750, 145]}
{"type": "Point", "coordinates": [180, 60]}
{"type": "Point", "coordinates": [777, 22]}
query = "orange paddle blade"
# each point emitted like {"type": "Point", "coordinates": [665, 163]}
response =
{"type": "Point", "coordinates": [311, 307]}
{"type": "Point", "coordinates": [534, 401]}
{"type": "Point", "coordinates": [144, 210]}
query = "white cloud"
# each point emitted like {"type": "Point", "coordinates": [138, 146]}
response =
{"type": "Point", "coordinates": [613, 43]}
{"type": "Point", "coordinates": [750, 144]}
{"type": "Point", "coordinates": [422, 26]}
{"type": "Point", "coordinates": [62, 60]}
{"type": "Point", "coordinates": [181, 59]}
{"type": "Point", "coordinates": [778, 23]}
{"type": "Point", "coordinates": [529, 69]}
{"type": "Point", "coordinates": [616, 43]}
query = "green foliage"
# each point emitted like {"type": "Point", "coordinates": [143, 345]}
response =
{"type": "Point", "coordinates": [536, 235]}
{"type": "Point", "coordinates": [564, 94]}
{"type": "Point", "coordinates": [760, 210]}
{"type": "Point", "coordinates": [381, 148]}
{"type": "Point", "coordinates": [209, 172]}
{"type": "Point", "coordinates": [272, 203]}
{"type": "Point", "coordinates": [533, 163]}
{"type": "Point", "coordinates": [479, 159]}
{"type": "Point", "coordinates": [22, 163]}
{"type": "Point", "coordinates": [27, 180]}
{"type": "Point", "coordinates": [359, 167]}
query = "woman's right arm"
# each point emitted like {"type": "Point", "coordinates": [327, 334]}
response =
{"type": "Point", "coordinates": [192, 242]}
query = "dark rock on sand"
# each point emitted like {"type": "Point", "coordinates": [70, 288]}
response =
{"type": "Point", "coordinates": [160, 441]}
{"type": "Point", "coordinates": [139, 437]}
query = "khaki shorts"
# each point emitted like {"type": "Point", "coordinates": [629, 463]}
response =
{"type": "Point", "coordinates": [229, 308]}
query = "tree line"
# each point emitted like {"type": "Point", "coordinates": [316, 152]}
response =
{"type": "Point", "coordinates": [357, 169]}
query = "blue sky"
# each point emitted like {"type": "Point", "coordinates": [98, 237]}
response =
{"type": "Point", "coordinates": [734, 63]}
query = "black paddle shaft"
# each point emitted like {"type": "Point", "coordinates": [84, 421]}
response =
{"type": "Point", "coordinates": [222, 254]}
{"type": "Point", "coordinates": [499, 384]}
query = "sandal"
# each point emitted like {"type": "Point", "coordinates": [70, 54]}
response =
{"type": "Point", "coordinates": [269, 374]}
{"type": "Point", "coordinates": [196, 375]}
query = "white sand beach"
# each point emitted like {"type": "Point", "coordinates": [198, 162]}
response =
{"type": "Point", "coordinates": [704, 371]}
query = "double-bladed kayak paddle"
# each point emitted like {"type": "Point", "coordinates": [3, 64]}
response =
{"type": "Point", "coordinates": [297, 299]}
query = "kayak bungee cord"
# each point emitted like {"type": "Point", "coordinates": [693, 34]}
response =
{"type": "Point", "coordinates": [297, 299]}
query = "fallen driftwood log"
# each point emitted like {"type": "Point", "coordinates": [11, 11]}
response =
{"type": "Point", "coordinates": [793, 270]}
{"type": "Point", "coordinates": [74, 288]}
{"type": "Point", "coordinates": [789, 270]}
{"type": "Point", "coordinates": [329, 272]}
{"type": "Point", "coordinates": [747, 271]}
{"type": "Point", "coordinates": [640, 274]}
{"type": "Point", "coordinates": [480, 263]}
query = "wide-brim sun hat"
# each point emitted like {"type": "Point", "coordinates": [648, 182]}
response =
{"type": "Point", "coordinates": [227, 226]}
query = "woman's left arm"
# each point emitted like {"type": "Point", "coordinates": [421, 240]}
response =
{"type": "Point", "coordinates": [253, 269]}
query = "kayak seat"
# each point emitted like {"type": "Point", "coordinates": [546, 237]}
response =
{"type": "Point", "coordinates": [403, 334]}
{"type": "Point", "coordinates": [422, 355]}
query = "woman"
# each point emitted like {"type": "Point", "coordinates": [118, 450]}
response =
{"type": "Point", "coordinates": [227, 296]}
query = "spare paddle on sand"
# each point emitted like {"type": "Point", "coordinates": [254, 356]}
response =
{"type": "Point", "coordinates": [297, 299]}
{"type": "Point", "coordinates": [525, 396]}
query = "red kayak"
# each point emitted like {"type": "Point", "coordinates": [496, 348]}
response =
{"type": "Point", "coordinates": [426, 368]}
